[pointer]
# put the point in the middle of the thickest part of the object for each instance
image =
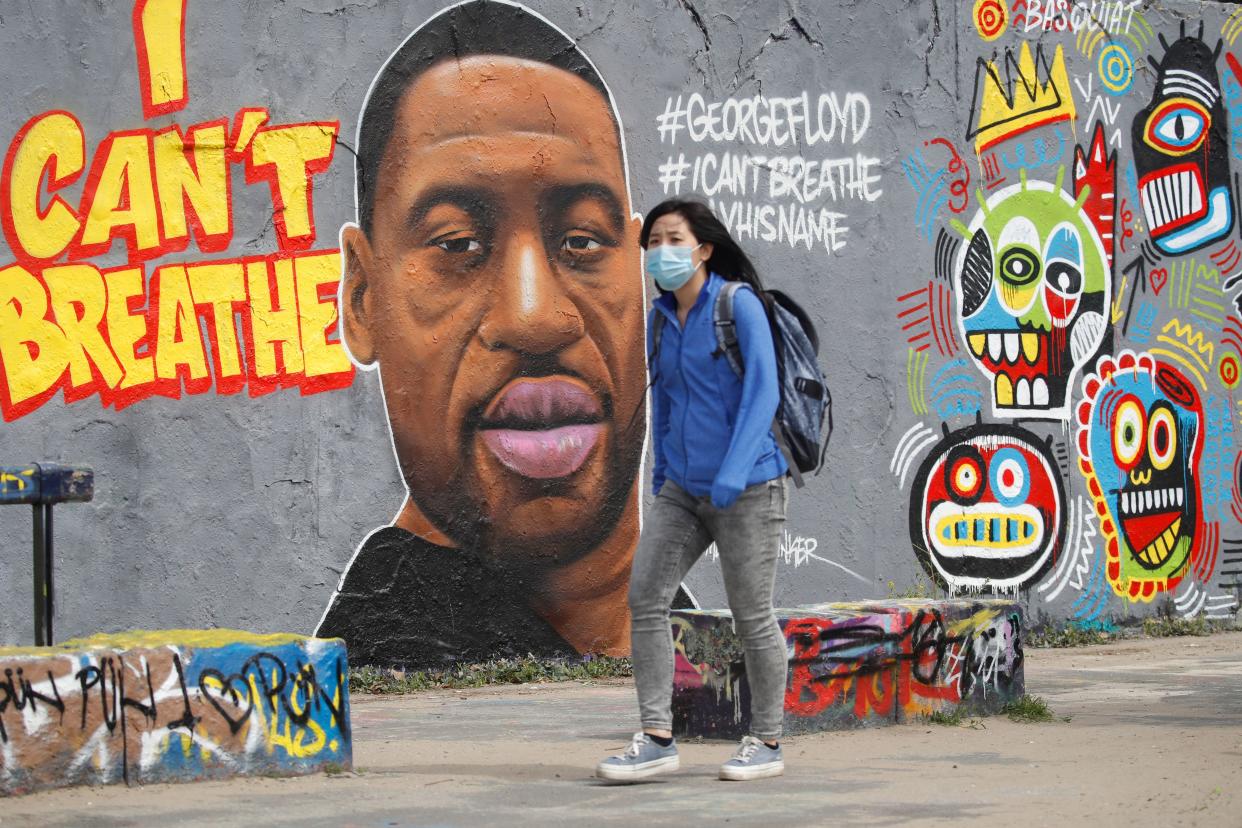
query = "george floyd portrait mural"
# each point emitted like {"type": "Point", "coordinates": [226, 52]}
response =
{"type": "Point", "coordinates": [492, 281]}
{"type": "Point", "coordinates": [344, 304]}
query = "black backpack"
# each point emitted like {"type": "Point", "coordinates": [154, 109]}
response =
{"type": "Point", "coordinates": [805, 400]}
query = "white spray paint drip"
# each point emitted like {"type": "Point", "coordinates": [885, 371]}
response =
{"type": "Point", "coordinates": [1077, 563]}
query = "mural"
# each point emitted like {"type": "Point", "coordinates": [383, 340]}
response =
{"type": "Point", "coordinates": [493, 281]}
{"type": "Point", "coordinates": [71, 324]}
{"type": "Point", "coordinates": [1140, 443]}
{"type": "Point", "coordinates": [992, 512]}
{"type": "Point", "coordinates": [424, 432]}
{"type": "Point", "coordinates": [1032, 296]}
{"type": "Point", "coordinates": [1181, 154]}
{"type": "Point", "coordinates": [1105, 347]}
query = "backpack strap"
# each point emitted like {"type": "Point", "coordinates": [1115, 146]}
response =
{"type": "Point", "coordinates": [726, 343]}
{"type": "Point", "coordinates": [657, 330]}
{"type": "Point", "coordinates": [778, 432]}
{"type": "Point", "coordinates": [726, 328]}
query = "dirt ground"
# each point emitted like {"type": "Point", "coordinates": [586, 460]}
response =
{"type": "Point", "coordinates": [1154, 737]}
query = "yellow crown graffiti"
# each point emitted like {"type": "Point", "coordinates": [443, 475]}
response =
{"type": "Point", "coordinates": [1032, 94]}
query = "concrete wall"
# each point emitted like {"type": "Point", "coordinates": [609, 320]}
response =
{"type": "Point", "coordinates": [869, 156]}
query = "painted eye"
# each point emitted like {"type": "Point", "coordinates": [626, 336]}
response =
{"type": "Point", "coordinates": [1019, 266]}
{"type": "Point", "coordinates": [964, 474]}
{"type": "Point", "coordinates": [1011, 477]}
{"type": "Point", "coordinates": [1177, 126]}
{"type": "Point", "coordinates": [458, 244]}
{"type": "Point", "coordinates": [1128, 432]}
{"type": "Point", "coordinates": [580, 243]}
{"type": "Point", "coordinates": [1062, 290]}
{"type": "Point", "coordinates": [1162, 438]}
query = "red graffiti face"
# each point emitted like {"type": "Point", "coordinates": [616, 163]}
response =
{"type": "Point", "coordinates": [500, 293]}
{"type": "Point", "coordinates": [991, 509]}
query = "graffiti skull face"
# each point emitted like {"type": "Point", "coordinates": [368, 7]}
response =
{"type": "Point", "coordinates": [987, 509]}
{"type": "Point", "coordinates": [1033, 287]}
{"type": "Point", "coordinates": [1181, 151]}
{"type": "Point", "coordinates": [1140, 440]}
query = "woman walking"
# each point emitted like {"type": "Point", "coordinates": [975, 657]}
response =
{"type": "Point", "coordinates": [719, 476]}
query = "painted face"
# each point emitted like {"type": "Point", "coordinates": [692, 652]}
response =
{"type": "Point", "coordinates": [1140, 440]}
{"type": "Point", "coordinates": [987, 509]}
{"type": "Point", "coordinates": [1033, 287]}
{"type": "Point", "coordinates": [1181, 154]}
{"type": "Point", "coordinates": [504, 304]}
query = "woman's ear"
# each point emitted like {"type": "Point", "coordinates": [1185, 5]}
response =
{"type": "Point", "coordinates": [356, 297]}
{"type": "Point", "coordinates": [705, 251]}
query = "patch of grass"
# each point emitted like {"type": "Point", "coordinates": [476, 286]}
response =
{"type": "Point", "coordinates": [1167, 626]}
{"type": "Point", "coordinates": [953, 718]}
{"type": "Point", "coordinates": [946, 718]}
{"type": "Point", "coordinates": [1028, 709]}
{"type": "Point", "coordinates": [1071, 635]}
{"type": "Point", "coordinates": [921, 588]}
{"type": "Point", "coordinates": [523, 670]}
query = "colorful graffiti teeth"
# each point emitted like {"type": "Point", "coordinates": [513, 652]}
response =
{"type": "Point", "coordinates": [986, 509]}
{"type": "Point", "coordinates": [1181, 151]}
{"type": "Point", "coordinates": [1033, 287]}
{"type": "Point", "coordinates": [1140, 442]}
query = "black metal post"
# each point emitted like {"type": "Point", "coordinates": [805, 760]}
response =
{"type": "Point", "coordinates": [48, 569]}
{"type": "Point", "coordinates": [40, 575]}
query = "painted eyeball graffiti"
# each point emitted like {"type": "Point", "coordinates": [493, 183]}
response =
{"type": "Point", "coordinates": [1063, 283]}
{"type": "Point", "coordinates": [986, 509]}
{"type": "Point", "coordinates": [1128, 432]}
{"type": "Point", "coordinates": [1033, 287]}
{"type": "Point", "coordinates": [1139, 441]}
{"type": "Point", "coordinates": [1010, 477]}
{"type": "Point", "coordinates": [1177, 126]}
{"type": "Point", "coordinates": [964, 475]}
{"type": "Point", "coordinates": [1162, 437]}
{"type": "Point", "coordinates": [1181, 150]}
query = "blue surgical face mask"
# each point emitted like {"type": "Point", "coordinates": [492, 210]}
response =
{"type": "Point", "coordinates": [671, 267]}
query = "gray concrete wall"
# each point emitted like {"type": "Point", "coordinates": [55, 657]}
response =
{"type": "Point", "coordinates": [243, 511]}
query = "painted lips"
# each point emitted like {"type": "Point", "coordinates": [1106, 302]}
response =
{"type": "Point", "coordinates": [542, 428]}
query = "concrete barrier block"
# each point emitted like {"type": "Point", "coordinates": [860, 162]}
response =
{"type": "Point", "coordinates": [853, 664]}
{"type": "Point", "coordinates": [170, 706]}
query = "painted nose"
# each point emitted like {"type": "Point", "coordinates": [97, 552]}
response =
{"type": "Point", "coordinates": [1139, 477]}
{"type": "Point", "coordinates": [530, 311]}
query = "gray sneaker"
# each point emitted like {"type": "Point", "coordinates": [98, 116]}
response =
{"type": "Point", "coordinates": [641, 759]}
{"type": "Point", "coordinates": [753, 760]}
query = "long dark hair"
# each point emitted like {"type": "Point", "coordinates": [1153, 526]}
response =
{"type": "Point", "coordinates": [727, 257]}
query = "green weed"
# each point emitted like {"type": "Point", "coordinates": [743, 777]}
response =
{"type": "Point", "coordinates": [921, 588]}
{"type": "Point", "coordinates": [523, 670]}
{"type": "Point", "coordinates": [1167, 626]}
{"type": "Point", "coordinates": [1028, 709]}
{"type": "Point", "coordinates": [1072, 635]}
{"type": "Point", "coordinates": [946, 718]}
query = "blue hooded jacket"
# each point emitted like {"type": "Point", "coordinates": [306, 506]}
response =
{"type": "Point", "coordinates": [711, 431]}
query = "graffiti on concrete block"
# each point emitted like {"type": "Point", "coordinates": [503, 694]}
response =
{"type": "Point", "coordinates": [148, 713]}
{"type": "Point", "coordinates": [855, 664]}
{"type": "Point", "coordinates": [880, 667]}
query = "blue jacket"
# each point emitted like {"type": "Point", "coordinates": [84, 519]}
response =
{"type": "Point", "coordinates": [711, 431]}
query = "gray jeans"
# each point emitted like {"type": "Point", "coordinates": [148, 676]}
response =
{"type": "Point", "coordinates": [747, 534]}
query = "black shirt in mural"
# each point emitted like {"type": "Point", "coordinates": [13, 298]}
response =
{"type": "Point", "coordinates": [407, 602]}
